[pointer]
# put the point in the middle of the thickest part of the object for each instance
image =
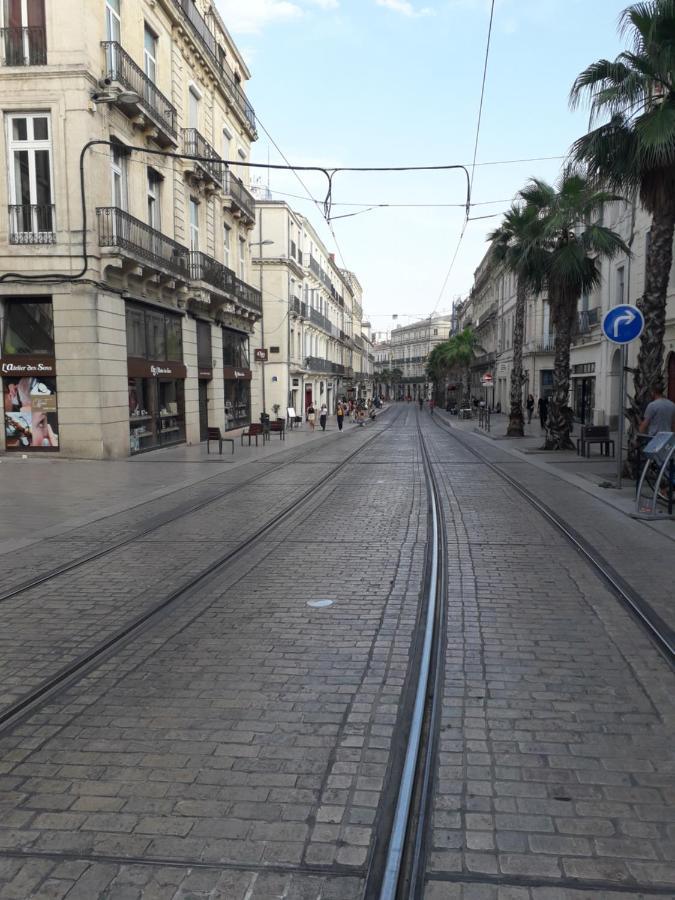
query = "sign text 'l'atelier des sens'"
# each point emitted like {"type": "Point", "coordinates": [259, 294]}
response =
{"type": "Point", "coordinates": [26, 367]}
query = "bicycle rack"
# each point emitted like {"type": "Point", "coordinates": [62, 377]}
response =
{"type": "Point", "coordinates": [660, 453]}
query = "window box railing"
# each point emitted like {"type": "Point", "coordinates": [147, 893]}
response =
{"type": "Point", "coordinates": [194, 144]}
{"type": "Point", "coordinates": [24, 46]}
{"type": "Point", "coordinates": [121, 68]}
{"type": "Point", "coordinates": [216, 56]}
{"type": "Point", "coordinates": [31, 224]}
{"type": "Point", "coordinates": [116, 228]}
{"type": "Point", "coordinates": [207, 269]}
{"type": "Point", "coordinates": [248, 296]}
{"type": "Point", "coordinates": [242, 199]}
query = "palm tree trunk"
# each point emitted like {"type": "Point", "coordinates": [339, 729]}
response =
{"type": "Point", "coordinates": [516, 426]}
{"type": "Point", "coordinates": [559, 423]}
{"type": "Point", "coordinates": [649, 372]}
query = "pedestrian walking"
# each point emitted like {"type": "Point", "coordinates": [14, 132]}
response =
{"type": "Point", "coordinates": [431, 406]}
{"type": "Point", "coordinates": [311, 415]}
{"type": "Point", "coordinates": [530, 407]}
{"type": "Point", "coordinates": [323, 416]}
{"type": "Point", "coordinates": [421, 402]}
{"type": "Point", "coordinates": [543, 412]}
{"type": "Point", "coordinates": [659, 415]}
{"type": "Point", "coordinates": [340, 414]}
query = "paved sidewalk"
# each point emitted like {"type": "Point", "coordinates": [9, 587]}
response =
{"type": "Point", "coordinates": [596, 475]}
{"type": "Point", "coordinates": [44, 496]}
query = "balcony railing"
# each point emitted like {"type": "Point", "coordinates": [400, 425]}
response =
{"type": "Point", "coordinates": [207, 269]}
{"type": "Point", "coordinates": [121, 68]}
{"type": "Point", "coordinates": [298, 307]}
{"type": "Point", "coordinates": [24, 46]}
{"type": "Point", "coordinates": [30, 224]}
{"type": "Point", "coordinates": [216, 55]}
{"type": "Point", "coordinates": [240, 197]}
{"type": "Point", "coordinates": [316, 364]}
{"type": "Point", "coordinates": [587, 319]}
{"type": "Point", "coordinates": [116, 228]}
{"type": "Point", "coordinates": [545, 344]}
{"type": "Point", "coordinates": [194, 144]}
{"type": "Point", "coordinates": [210, 271]}
{"type": "Point", "coordinates": [248, 296]}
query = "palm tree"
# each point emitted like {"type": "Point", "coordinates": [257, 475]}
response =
{"type": "Point", "coordinates": [514, 246]}
{"type": "Point", "coordinates": [634, 152]}
{"type": "Point", "coordinates": [459, 352]}
{"type": "Point", "coordinates": [569, 246]}
{"type": "Point", "coordinates": [437, 367]}
{"type": "Point", "coordinates": [396, 375]}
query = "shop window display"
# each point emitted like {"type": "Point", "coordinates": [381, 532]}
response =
{"type": "Point", "coordinates": [31, 418]}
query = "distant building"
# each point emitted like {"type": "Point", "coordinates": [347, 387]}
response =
{"type": "Point", "coordinates": [410, 349]}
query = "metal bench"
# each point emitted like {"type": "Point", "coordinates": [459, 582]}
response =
{"type": "Point", "coordinates": [214, 434]}
{"type": "Point", "coordinates": [278, 427]}
{"type": "Point", "coordinates": [595, 434]}
{"type": "Point", "coordinates": [255, 430]}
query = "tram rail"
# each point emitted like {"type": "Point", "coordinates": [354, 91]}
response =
{"type": "Point", "coordinates": [161, 522]}
{"type": "Point", "coordinates": [658, 630]}
{"type": "Point", "coordinates": [84, 662]}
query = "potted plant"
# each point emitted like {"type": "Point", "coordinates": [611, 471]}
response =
{"type": "Point", "coordinates": [275, 409]}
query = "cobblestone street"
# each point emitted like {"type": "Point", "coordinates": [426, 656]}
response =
{"type": "Point", "coordinates": [207, 694]}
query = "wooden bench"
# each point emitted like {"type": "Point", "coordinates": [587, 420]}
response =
{"type": "Point", "coordinates": [255, 430]}
{"type": "Point", "coordinates": [214, 434]}
{"type": "Point", "coordinates": [279, 427]}
{"type": "Point", "coordinates": [595, 434]}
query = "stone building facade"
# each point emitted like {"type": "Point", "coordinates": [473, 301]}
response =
{"type": "Point", "coordinates": [312, 316]}
{"type": "Point", "coordinates": [126, 305]}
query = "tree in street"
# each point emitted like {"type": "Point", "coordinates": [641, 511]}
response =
{"type": "Point", "coordinates": [570, 244]}
{"type": "Point", "coordinates": [634, 152]}
{"type": "Point", "coordinates": [515, 248]}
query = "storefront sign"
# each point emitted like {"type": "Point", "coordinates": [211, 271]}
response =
{"type": "Point", "coordinates": [204, 373]}
{"type": "Point", "coordinates": [27, 366]}
{"type": "Point", "coordinates": [143, 368]}
{"type": "Point", "coordinates": [30, 404]}
{"type": "Point", "coordinates": [232, 373]}
{"type": "Point", "coordinates": [261, 355]}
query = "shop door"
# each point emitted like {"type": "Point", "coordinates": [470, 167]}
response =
{"type": "Point", "coordinates": [203, 410]}
{"type": "Point", "coordinates": [584, 400]}
{"type": "Point", "coordinates": [308, 398]}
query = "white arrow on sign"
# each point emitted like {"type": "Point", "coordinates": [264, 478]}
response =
{"type": "Point", "coordinates": [628, 317]}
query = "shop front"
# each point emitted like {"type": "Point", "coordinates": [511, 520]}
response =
{"type": "Point", "coordinates": [156, 378]}
{"type": "Point", "coordinates": [28, 368]}
{"type": "Point", "coordinates": [237, 375]}
{"type": "Point", "coordinates": [583, 392]}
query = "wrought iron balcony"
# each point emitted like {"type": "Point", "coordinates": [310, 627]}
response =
{"type": "Point", "coordinates": [146, 245]}
{"type": "Point", "coordinates": [545, 344]}
{"type": "Point", "coordinates": [31, 224]}
{"type": "Point", "coordinates": [316, 364]}
{"type": "Point", "coordinates": [140, 93]}
{"type": "Point", "coordinates": [298, 307]}
{"type": "Point", "coordinates": [210, 164]}
{"type": "Point", "coordinates": [586, 320]}
{"type": "Point", "coordinates": [216, 55]}
{"type": "Point", "coordinates": [242, 201]}
{"type": "Point", "coordinates": [213, 273]}
{"type": "Point", "coordinates": [24, 46]}
{"type": "Point", "coordinates": [248, 296]}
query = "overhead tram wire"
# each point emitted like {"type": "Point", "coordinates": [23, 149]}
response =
{"type": "Point", "coordinates": [473, 164]}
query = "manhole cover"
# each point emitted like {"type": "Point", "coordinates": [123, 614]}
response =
{"type": "Point", "coordinates": [320, 604]}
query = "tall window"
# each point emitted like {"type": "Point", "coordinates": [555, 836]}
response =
{"type": "Point", "coordinates": [226, 245]}
{"type": "Point", "coordinates": [194, 224]}
{"type": "Point", "coordinates": [118, 166]}
{"type": "Point", "coordinates": [242, 258]}
{"type": "Point", "coordinates": [150, 53]}
{"type": "Point", "coordinates": [24, 36]}
{"type": "Point", "coordinates": [154, 183]}
{"type": "Point", "coordinates": [193, 108]}
{"type": "Point", "coordinates": [30, 176]}
{"type": "Point", "coordinates": [227, 143]}
{"type": "Point", "coordinates": [113, 21]}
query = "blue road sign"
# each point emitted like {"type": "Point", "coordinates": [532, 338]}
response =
{"type": "Point", "coordinates": [623, 324]}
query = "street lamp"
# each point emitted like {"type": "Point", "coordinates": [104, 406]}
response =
{"type": "Point", "coordinates": [262, 243]}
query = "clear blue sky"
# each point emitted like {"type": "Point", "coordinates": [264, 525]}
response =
{"type": "Point", "coordinates": [392, 82]}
